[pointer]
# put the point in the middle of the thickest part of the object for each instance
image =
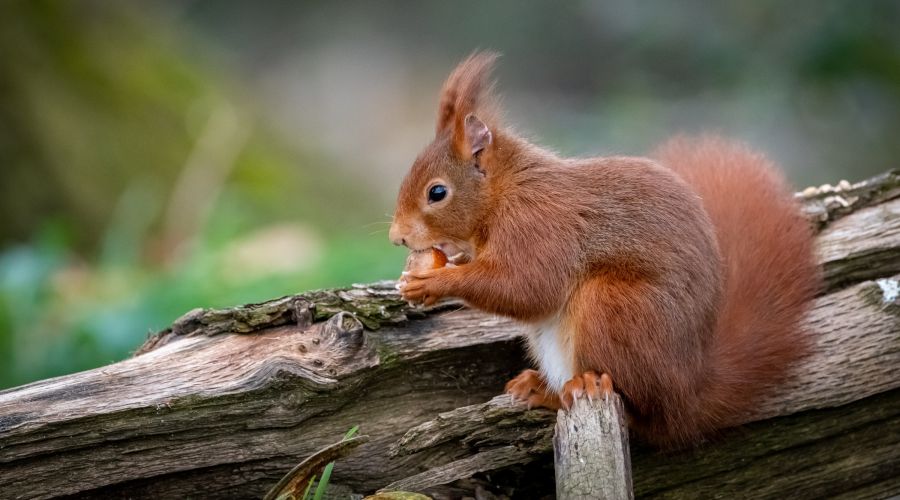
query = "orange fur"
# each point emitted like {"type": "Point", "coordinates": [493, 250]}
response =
{"type": "Point", "coordinates": [684, 277]}
{"type": "Point", "coordinates": [528, 386]}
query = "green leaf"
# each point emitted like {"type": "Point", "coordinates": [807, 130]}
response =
{"type": "Point", "coordinates": [323, 483]}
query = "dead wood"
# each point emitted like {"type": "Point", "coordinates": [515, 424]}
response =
{"type": "Point", "coordinates": [591, 455]}
{"type": "Point", "coordinates": [225, 402]}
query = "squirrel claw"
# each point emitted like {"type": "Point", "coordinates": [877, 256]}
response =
{"type": "Point", "coordinates": [606, 385]}
{"type": "Point", "coordinates": [529, 386]}
{"type": "Point", "coordinates": [588, 384]}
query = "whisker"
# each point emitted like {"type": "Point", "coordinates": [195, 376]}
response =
{"type": "Point", "coordinates": [376, 222]}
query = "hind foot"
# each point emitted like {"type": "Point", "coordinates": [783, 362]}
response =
{"type": "Point", "coordinates": [530, 387]}
{"type": "Point", "coordinates": [588, 384]}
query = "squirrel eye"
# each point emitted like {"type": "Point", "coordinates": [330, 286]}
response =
{"type": "Point", "coordinates": [437, 193]}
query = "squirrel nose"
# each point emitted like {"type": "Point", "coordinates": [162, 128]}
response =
{"type": "Point", "coordinates": [395, 236]}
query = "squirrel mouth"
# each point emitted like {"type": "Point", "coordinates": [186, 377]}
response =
{"type": "Point", "coordinates": [455, 259]}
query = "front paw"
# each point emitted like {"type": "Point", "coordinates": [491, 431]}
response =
{"type": "Point", "coordinates": [588, 384]}
{"type": "Point", "coordinates": [425, 286]}
{"type": "Point", "coordinates": [529, 386]}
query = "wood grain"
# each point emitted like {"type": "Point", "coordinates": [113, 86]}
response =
{"type": "Point", "coordinates": [591, 455]}
{"type": "Point", "coordinates": [225, 402]}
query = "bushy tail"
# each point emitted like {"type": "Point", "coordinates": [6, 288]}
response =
{"type": "Point", "coordinates": [771, 274]}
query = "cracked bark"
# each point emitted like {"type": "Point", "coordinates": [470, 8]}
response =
{"type": "Point", "coordinates": [590, 451]}
{"type": "Point", "coordinates": [224, 402]}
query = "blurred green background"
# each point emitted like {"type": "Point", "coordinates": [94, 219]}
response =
{"type": "Point", "coordinates": [161, 156]}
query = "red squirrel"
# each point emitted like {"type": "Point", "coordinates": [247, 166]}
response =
{"type": "Point", "coordinates": [683, 277]}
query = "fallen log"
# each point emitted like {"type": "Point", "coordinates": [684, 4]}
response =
{"type": "Point", "coordinates": [225, 402]}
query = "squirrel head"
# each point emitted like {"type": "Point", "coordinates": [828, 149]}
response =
{"type": "Point", "coordinates": [442, 198]}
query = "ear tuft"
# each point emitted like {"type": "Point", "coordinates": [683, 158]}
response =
{"type": "Point", "coordinates": [478, 136]}
{"type": "Point", "coordinates": [464, 91]}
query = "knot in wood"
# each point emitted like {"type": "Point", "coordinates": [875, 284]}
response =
{"type": "Point", "coordinates": [303, 312]}
{"type": "Point", "coordinates": [189, 322]}
{"type": "Point", "coordinates": [345, 330]}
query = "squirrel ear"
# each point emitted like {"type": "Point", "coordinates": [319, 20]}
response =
{"type": "Point", "coordinates": [465, 90]}
{"type": "Point", "coordinates": [477, 136]}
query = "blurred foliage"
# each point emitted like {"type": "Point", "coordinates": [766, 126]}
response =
{"type": "Point", "coordinates": [102, 116]}
{"type": "Point", "coordinates": [96, 101]}
{"type": "Point", "coordinates": [814, 84]}
{"type": "Point", "coordinates": [157, 157]}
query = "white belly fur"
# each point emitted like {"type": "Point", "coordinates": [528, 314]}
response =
{"type": "Point", "coordinates": [551, 348]}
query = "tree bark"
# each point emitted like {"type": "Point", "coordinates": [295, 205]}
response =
{"type": "Point", "coordinates": [225, 402]}
{"type": "Point", "coordinates": [590, 451]}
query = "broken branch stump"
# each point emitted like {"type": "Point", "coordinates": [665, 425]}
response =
{"type": "Point", "coordinates": [590, 449]}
